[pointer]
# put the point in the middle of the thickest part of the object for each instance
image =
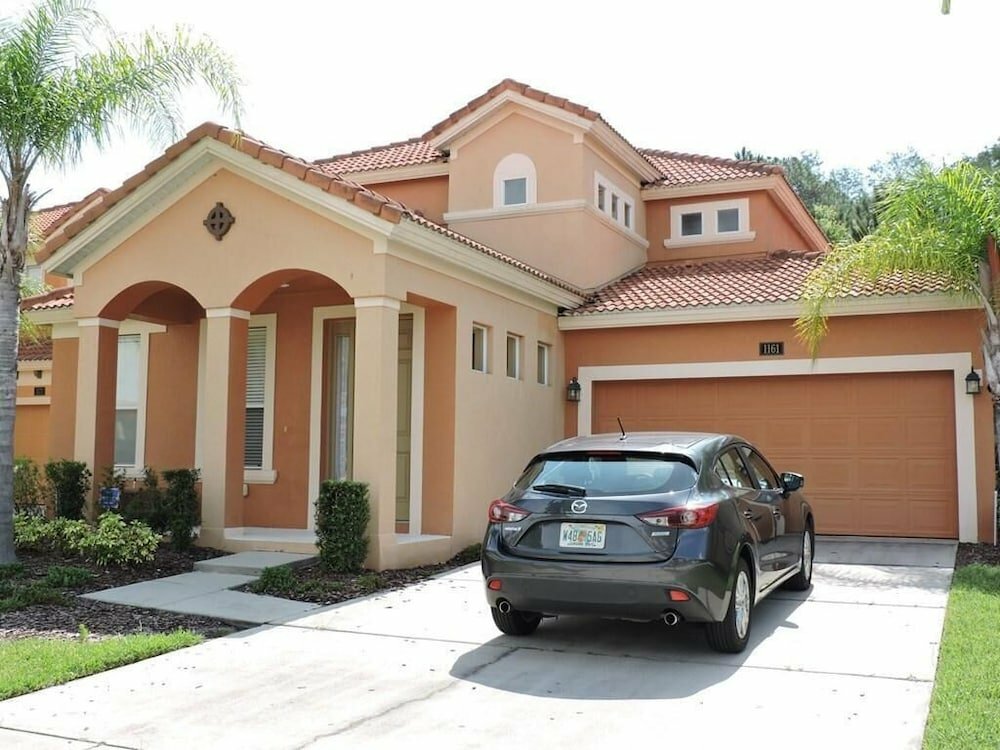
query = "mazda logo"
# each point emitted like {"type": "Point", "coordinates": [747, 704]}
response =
{"type": "Point", "coordinates": [579, 506]}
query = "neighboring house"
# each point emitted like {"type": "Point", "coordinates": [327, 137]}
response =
{"type": "Point", "coordinates": [410, 316]}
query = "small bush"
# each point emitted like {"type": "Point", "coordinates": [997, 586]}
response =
{"type": "Point", "coordinates": [67, 536]}
{"type": "Point", "coordinates": [70, 482]}
{"type": "Point", "coordinates": [66, 576]}
{"type": "Point", "coordinates": [277, 580]}
{"type": "Point", "coordinates": [470, 554]}
{"type": "Point", "coordinates": [369, 582]}
{"type": "Point", "coordinates": [11, 570]}
{"type": "Point", "coordinates": [30, 491]}
{"type": "Point", "coordinates": [147, 504]}
{"type": "Point", "coordinates": [342, 514]}
{"type": "Point", "coordinates": [115, 542]}
{"type": "Point", "coordinates": [181, 501]}
{"type": "Point", "coordinates": [19, 597]}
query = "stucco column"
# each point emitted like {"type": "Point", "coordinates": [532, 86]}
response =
{"type": "Point", "coordinates": [223, 414]}
{"type": "Point", "coordinates": [96, 379]}
{"type": "Point", "coordinates": [376, 363]}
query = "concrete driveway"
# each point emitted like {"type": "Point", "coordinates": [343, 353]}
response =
{"type": "Point", "coordinates": [850, 665]}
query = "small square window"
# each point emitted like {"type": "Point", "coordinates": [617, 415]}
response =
{"type": "Point", "coordinates": [513, 356]}
{"type": "Point", "coordinates": [614, 206]}
{"type": "Point", "coordinates": [628, 215]}
{"type": "Point", "coordinates": [691, 224]}
{"type": "Point", "coordinates": [729, 219]}
{"type": "Point", "coordinates": [515, 191]}
{"type": "Point", "coordinates": [542, 375]}
{"type": "Point", "coordinates": [602, 198]}
{"type": "Point", "coordinates": [479, 353]}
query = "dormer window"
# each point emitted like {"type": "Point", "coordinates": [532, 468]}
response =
{"type": "Point", "coordinates": [708, 223]}
{"type": "Point", "coordinates": [514, 182]}
{"type": "Point", "coordinates": [613, 202]}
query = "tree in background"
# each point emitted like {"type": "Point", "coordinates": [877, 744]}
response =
{"type": "Point", "coordinates": [66, 81]}
{"type": "Point", "coordinates": [935, 222]}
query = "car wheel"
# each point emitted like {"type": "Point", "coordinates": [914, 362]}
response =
{"type": "Point", "coordinates": [514, 622]}
{"type": "Point", "coordinates": [802, 580]}
{"type": "Point", "coordinates": [732, 634]}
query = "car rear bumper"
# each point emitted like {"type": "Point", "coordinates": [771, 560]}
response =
{"type": "Point", "coordinates": [638, 591]}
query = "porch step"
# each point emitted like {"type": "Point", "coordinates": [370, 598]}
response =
{"type": "Point", "coordinates": [252, 563]}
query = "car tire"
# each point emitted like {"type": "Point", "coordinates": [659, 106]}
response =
{"type": "Point", "coordinates": [802, 580]}
{"type": "Point", "coordinates": [514, 622]}
{"type": "Point", "coordinates": [733, 633]}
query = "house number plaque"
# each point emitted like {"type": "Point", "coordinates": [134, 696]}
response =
{"type": "Point", "coordinates": [771, 348]}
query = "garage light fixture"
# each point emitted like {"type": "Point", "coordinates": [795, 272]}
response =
{"type": "Point", "coordinates": [973, 383]}
{"type": "Point", "coordinates": [573, 390]}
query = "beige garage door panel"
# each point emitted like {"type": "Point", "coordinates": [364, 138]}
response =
{"type": "Point", "coordinates": [877, 450]}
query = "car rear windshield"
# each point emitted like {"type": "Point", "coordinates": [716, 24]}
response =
{"type": "Point", "coordinates": [608, 473]}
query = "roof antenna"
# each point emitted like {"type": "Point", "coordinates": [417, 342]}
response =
{"type": "Point", "coordinates": [622, 428]}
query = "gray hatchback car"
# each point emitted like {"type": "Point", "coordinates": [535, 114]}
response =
{"type": "Point", "coordinates": [659, 525]}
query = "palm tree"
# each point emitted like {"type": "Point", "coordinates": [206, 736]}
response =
{"type": "Point", "coordinates": [936, 222]}
{"type": "Point", "coordinates": [66, 81]}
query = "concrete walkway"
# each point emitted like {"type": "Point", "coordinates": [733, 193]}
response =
{"type": "Point", "coordinates": [849, 664]}
{"type": "Point", "coordinates": [207, 591]}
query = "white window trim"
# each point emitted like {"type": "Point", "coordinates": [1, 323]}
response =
{"type": "Point", "coordinates": [266, 473]}
{"type": "Point", "coordinates": [513, 167]}
{"type": "Point", "coordinates": [710, 234]}
{"type": "Point", "coordinates": [547, 379]}
{"type": "Point", "coordinates": [486, 349]}
{"type": "Point", "coordinates": [518, 356]}
{"type": "Point", "coordinates": [959, 363]}
{"type": "Point", "coordinates": [611, 190]}
{"type": "Point", "coordinates": [143, 330]}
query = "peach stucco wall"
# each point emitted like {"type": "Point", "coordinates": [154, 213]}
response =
{"type": "Point", "coordinates": [428, 195]}
{"type": "Point", "coordinates": [171, 387]}
{"type": "Point", "coordinates": [775, 231]}
{"type": "Point", "coordinates": [881, 335]}
{"type": "Point", "coordinates": [31, 433]}
{"type": "Point", "coordinates": [63, 406]}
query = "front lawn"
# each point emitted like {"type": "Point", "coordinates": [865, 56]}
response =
{"type": "Point", "coordinates": [34, 663]}
{"type": "Point", "coordinates": [965, 707]}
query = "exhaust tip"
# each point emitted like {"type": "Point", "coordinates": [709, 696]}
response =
{"type": "Point", "coordinates": [671, 618]}
{"type": "Point", "coordinates": [504, 606]}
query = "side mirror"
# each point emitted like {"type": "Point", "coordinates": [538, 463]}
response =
{"type": "Point", "coordinates": [792, 481]}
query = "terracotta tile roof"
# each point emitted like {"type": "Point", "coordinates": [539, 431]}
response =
{"type": "Point", "coordinates": [403, 154]}
{"type": "Point", "coordinates": [776, 277]}
{"type": "Point", "coordinates": [51, 300]}
{"type": "Point", "coordinates": [360, 196]}
{"type": "Point", "coordinates": [34, 351]}
{"type": "Point", "coordinates": [688, 169]}
{"type": "Point", "coordinates": [46, 220]}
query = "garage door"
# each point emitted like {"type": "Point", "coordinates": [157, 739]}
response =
{"type": "Point", "coordinates": [877, 450]}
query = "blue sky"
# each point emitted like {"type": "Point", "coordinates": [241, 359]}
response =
{"type": "Point", "coordinates": [851, 79]}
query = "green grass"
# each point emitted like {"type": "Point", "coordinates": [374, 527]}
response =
{"type": "Point", "coordinates": [36, 663]}
{"type": "Point", "coordinates": [965, 707]}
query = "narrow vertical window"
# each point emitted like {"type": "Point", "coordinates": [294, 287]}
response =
{"type": "Point", "coordinates": [513, 356]}
{"type": "Point", "coordinates": [127, 400]}
{"type": "Point", "coordinates": [253, 444]}
{"type": "Point", "coordinates": [614, 206]}
{"type": "Point", "coordinates": [628, 215]}
{"type": "Point", "coordinates": [602, 198]}
{"type": "Point", "coordinates": [543, 364]}
{"type": "Point", "coordinates": [479, 352]}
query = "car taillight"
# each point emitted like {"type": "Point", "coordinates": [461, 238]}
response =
{"type": "Point", "coordinates": [681, 518]}
{"type": "Point", "coordinates": [501, 512]}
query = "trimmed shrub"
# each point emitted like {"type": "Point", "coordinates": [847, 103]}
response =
{"type": "Point", "coordinates": [278, 580]}
{"type": "Point", "coordinates": [70, 482]}
{"type": "Point", "coordinates": [115, 542]}
{"type": "Point", "coordinates": [342, 513]}
{"type": "Point", "coordinates": [29, 488]}
{"type": "Point", "coordinates": [147, 503]}
{"type": "Point", "coordinates": [181, 502]}
{"type": "Point", "coordinates": [66, 576]}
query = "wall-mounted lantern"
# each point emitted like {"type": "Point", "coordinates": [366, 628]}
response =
{"type": "Point", "coordinates": [573, 390]}
{"type": "Point", "coordinates": [973, 383]}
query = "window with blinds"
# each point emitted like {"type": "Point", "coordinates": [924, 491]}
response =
{"type": "Point", "coordinates": [253, 442]}
{"type": "Point", "coordinates": [127, 400]}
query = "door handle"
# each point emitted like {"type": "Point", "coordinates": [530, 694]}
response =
{"type": "Point", "coordinates": [748, 514]}
{"type": "Point", "coordinates": [776, 512]}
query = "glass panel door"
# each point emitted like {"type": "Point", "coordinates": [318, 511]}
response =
{"type": "Point", "coordinates": [338, 399]}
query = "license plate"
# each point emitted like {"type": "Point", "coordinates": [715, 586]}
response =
{"type": "Point", "coordinates": [582, 535]}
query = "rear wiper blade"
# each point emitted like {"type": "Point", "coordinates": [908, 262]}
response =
{"type": "Point", "coordinates": [570, 490]}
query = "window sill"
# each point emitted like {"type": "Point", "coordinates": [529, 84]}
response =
{"type": "Point", "coordinates": [260, 476]}
{"type": "Point", "coordinates": [714, 239]}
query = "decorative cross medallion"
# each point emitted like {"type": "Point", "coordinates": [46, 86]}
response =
{"type": "Point", "coordinates": [219, 221]}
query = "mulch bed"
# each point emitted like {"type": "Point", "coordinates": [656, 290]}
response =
{"type": "Point", "coordinates": [101, 619]}
{"type": "Point", "coordinates": [970, 554]}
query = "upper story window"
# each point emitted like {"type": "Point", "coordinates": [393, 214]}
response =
{"type": "Point", "coordinates": [707, 223]}
{"type": "Point", "coordinates": [480, 350]}
{"type": "Point", "coordinates": [612, 201]}
{"type": "Point", "coordinates": [514, 182]}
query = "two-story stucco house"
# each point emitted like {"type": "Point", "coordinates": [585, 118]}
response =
{"type": "Point", "coordinates": [411, 315]}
